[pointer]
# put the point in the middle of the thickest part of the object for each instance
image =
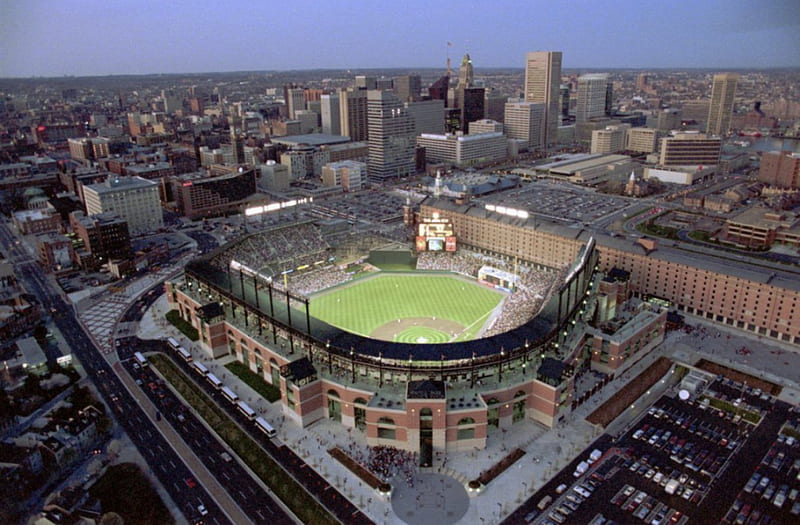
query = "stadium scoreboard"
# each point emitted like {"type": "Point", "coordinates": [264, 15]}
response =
{"type": "Point", "coordinates": [435, 234]}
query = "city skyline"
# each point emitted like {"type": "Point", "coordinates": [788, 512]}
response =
{"type": "Point", "coordinates": [49, 39]}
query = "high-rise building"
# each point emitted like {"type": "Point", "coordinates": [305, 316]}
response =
{"type": "Point", "coordinates": [542, 86]}
{"type": "Point", "coordinates": [690, 149]}
{"type": "Point", "coordinates": [353, 113]}
{"type": "Point", "coordinates": [104, 235]}
{"type": "Point", "coordinates": [592, 95]}
{"type": "Point", "coordinates": [365, 82]}
{"type": "Point", "coordinates": [609, 140]}
{"type": "Point", "coordinates": [210, 194]}
{"type": "Point", "coordinates": [349, 174]}
{"type": "Point", "coordinates": [723, 92]}
{"type": "Point", "coordinates": [564, 100]}
{"type": "Point", "coordinates": [780, 168]}
{"type": "Point", "coordinates": [428, 116]}
{"type": "Point", "coordinates": [525, 121]}
{"type": "Point", "coordinates": [643, 140]}
{"type": "Point", "coordinates": [485, 126]}
{"type": "Point", "coordinates": [295, 101]}
{"type": "Point", "coordinates": [407, 88]}
{"type": "Point", "coordinates": [438, 90]}
{"type": "Point", "coordinates": [390, 137]}
{"type": "Point", "coordinates": [134, 199]}
{"type": "Point", "coordinates": [331, 120]}
{"type": "Point", "coordinates": [464, 150]}
{"type": "Point", "coordinates": [466, 75]}
{"type": "Point", "coordinates": [470, 99]}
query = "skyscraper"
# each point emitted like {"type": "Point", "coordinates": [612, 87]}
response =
{"type": "Point", "coordinates": [408, 88]}
{"type": "Point", "coordinates": [542, 83]}
{"type": "Point", "coordinates": [469, 99]}
{"type": "Point", "coordinates": [719, 111]}
{"type": "Point", "coordinates": [466, 76]}
{"type": "Point", "coordinates": [353, 114]}
{"type": "Point", "coordinates": [525, 121]}
{"type": "Point", "coordinates": [329, 111]}
{"type": "Point", "coordinates": [390, 137]}
{"type": "Point", "coordinates": [438, 90]}
{"type": "Point", "coordinates": [592, 95]}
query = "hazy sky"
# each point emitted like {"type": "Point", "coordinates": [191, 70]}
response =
{"type": "Point", "coordinates": [92, 37]}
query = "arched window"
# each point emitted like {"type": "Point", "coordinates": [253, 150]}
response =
{"type": "Point", "coordinates": [333, 393]}
{"type": "Point", "coordinates": [385, 421]}
{"type": "Point", "coordinates": [520, 393]}
{"type": "Point", "coordinates": [466, 421]}
{"type": "Point", "coordinates": [360, 401]}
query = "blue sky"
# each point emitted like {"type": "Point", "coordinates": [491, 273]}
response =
{"type": "Point", "coordinates": [92, 37]}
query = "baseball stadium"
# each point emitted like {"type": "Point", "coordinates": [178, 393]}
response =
{"type": "Point", "coordinates": [423, 346]}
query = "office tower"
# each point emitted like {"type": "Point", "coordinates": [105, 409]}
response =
{"type": "Point", "coordinates": [609, 140]}
{"type": "Point", "coordinates": [542, 86]}
{"type": "Point", "coordinates": [390, 137]}
{"type": "Point", "coordinates": [642, 82]}
{"type": "Point", "coordinates": [428, 116]}
{"type": "Point", "coordinates": [525, 121]}
{"type": "Point", "coordinates": [353, 113]}
{"type": "Point", "coordinates": [104, 235]}
{"type": "Point", "coordinates": [668, 119]}
{"type": "Point", "coordinates": [563, 100]}
{"type": "Point", "coordinates": [384, 83]}
{"type": "Point", "coordinates": [134, 199]}
{"type": "Point", "coordinates": [218, 192]}
{"type": "Point", "coordinates": [780, 168]}
{"type": "Point", "coordinates": [237, 147]}
{"type": "Point", "coordinates": [690, 149]}
{"type": "Point", "coordinates": [486, 126]}
{"type": "Point", "coordinates": [609, 98]}
{"type": "Point", "coordinates": [471, 102]}
{"type": "Point", "coordinates": [331, 120]}
{"type": "Point", "coordinates": [642, 140]}
{"type": "Point", "coordinates": [495, 105]}
{"type": "Point", "coordinates": [469, 99]}
{"type": "Point", "coordinates": [591, 102]}
{"type": "Point", "coordinates": [438, 90]}
{"type": "Point", "coordinates": [723, 92]}
{"type": "Point", "coordinates": [464, 150]}
{"type": "Point", "coordinates": [295, 101]}
{"type": "Point", "coordinates": [349, 174]}
{"type": "Point", "coordinates": [466, 76]}
{"type": "Point", "coordinates": [407, 88]}
{"type": "Point", "coordinates": [365, 82]}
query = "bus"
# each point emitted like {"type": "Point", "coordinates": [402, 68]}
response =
{"type": "Point", "coordinates": [141, 359]}
{"type": "Point", "coordinates": [200, 368]}
{"type": "Point", "coordinates": [245, 409]}
{"type": "Point", "coordinates": [184, 353]}
{"type": "Point", "coordinates": [214, 380]}
{"type": "Point", "coordinates": [173, 343]}
{"type": "Point", "coordinates": [265, 427]}
{"type": "Point", "coordinates": [229, 394]}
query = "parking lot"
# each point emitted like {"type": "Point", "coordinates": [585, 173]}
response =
{"type": "Point", "coordinates": [730, 454]}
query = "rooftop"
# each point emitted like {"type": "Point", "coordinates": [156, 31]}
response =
{"type": "Point", "coordinates": [312, 139]}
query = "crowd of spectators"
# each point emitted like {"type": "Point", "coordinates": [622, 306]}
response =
{"type": "Point", "coordinates": [309, 282]}
{"type": "Point", "coordinates": [525, 301]}
{"type": "Point", "coordinates": [533, 286]}
{"type": "Point", "coordinates": [276, 249]}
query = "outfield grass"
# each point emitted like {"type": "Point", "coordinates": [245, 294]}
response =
{"type": "Point", "coordinates": [373, 302]}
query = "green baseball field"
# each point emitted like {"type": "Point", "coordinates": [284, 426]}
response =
{"type": "Point", "coordinates": [409, 308]}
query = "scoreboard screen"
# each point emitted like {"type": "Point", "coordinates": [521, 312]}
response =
{"type": "Point", "coordinates": [435, 234]}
